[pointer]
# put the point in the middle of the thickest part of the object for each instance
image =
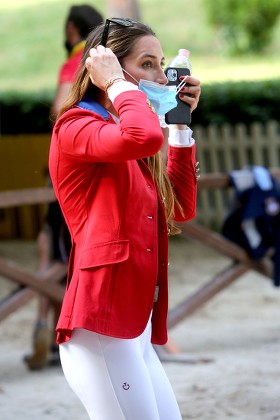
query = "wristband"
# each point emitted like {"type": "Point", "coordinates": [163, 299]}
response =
{"type": "Point", "coordinates": [111, 81]}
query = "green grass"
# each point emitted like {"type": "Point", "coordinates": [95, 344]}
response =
{"type": "Point", "coordinates": [31, 34]}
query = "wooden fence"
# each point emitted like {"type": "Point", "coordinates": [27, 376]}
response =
{"type": "Point", "coordinates": [219, 150]}
{"type": "Point", "coordinates": [226, 148]}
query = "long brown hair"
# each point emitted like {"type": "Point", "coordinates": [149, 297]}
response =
{"type": "Point", "coordinates": [121, 40]}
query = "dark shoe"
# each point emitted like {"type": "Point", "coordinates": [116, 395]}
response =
{"type": "Point", "coordinates": [41, 345]}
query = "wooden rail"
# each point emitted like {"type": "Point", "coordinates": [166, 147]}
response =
{"type": "Point", "coordinates": [240, 264]}
{"type": "Point", "coordinates": [22, 197]}
{"type": "Point", "coordinates": [30, 284]}
{"type": "Point", "coordinates": [23, 294]}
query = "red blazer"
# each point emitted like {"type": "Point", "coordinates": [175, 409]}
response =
{"type": "Point", "coordinates": [116, 218]}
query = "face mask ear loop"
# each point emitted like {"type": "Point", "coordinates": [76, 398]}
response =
{"type": "Point", "coordinates": [130, 76]}
{"type": "Point", "coordinates": [181, 85]}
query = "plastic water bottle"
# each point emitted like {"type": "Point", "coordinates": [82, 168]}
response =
{"type": "Point", "coordinates": [181, 60]}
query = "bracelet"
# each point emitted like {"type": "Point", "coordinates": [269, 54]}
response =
{"type": "Point", "coordinates": [111, 81]}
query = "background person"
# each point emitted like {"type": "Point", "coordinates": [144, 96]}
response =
{"type": "Point", "coordinates": [54, 241]}
{"type": "Point", "coordinates": [120, 202]}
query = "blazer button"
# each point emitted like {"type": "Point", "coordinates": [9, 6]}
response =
{"type": "Point", "coordinates": [149, 217]}
{"type": "Point", "coordinates": [149, 249]}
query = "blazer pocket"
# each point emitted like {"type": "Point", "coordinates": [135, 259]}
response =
{"type": "Point", "coordinates": [104, 254]}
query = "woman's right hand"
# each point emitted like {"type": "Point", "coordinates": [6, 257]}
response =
{"type": "Point", "coordinates": [103, 65]}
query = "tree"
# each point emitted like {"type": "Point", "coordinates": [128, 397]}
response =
{"type": "Point", "coordinates": [245, 26]}
{"type": "Point", "coordinates": [123, 8]}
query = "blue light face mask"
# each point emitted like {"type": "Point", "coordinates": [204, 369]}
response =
{"type": "Point", "coordinates": [162, 97]}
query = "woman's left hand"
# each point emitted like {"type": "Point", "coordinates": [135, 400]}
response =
{"type": "Point", "coordinates": [193, 91]}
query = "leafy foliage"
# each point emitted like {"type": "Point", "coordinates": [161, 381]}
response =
{"type": "Point", "coordinates": [244, 26]}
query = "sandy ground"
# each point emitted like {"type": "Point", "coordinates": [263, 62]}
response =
{"type": "Point", "coordinates": [239, 330]}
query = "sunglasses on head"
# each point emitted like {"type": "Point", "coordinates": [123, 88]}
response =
{"type": "Point", "coordinates": [119, 21]}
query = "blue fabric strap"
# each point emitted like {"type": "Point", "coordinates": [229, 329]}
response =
{"type": "Point", "coordinates": [91, 105]}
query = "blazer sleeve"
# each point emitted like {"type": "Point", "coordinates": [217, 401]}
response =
{"type": "Point", "coordinates": [87, 136]}
{"type": "Point", "coordinates": [181, 169]}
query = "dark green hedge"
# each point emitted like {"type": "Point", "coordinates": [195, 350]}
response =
{"type": "Point", "coordinates": [25, 112]}
{"type": "Point", "coordinates": [219, 103]}
{"type": "Point", "coordinates": [235, 102]}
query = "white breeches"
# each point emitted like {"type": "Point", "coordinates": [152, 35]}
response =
{"type": "Point", "coordinates": [118, 379]}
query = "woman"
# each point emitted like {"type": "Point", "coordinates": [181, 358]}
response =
{"type": "Point", "coordinates": [119, 202]}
